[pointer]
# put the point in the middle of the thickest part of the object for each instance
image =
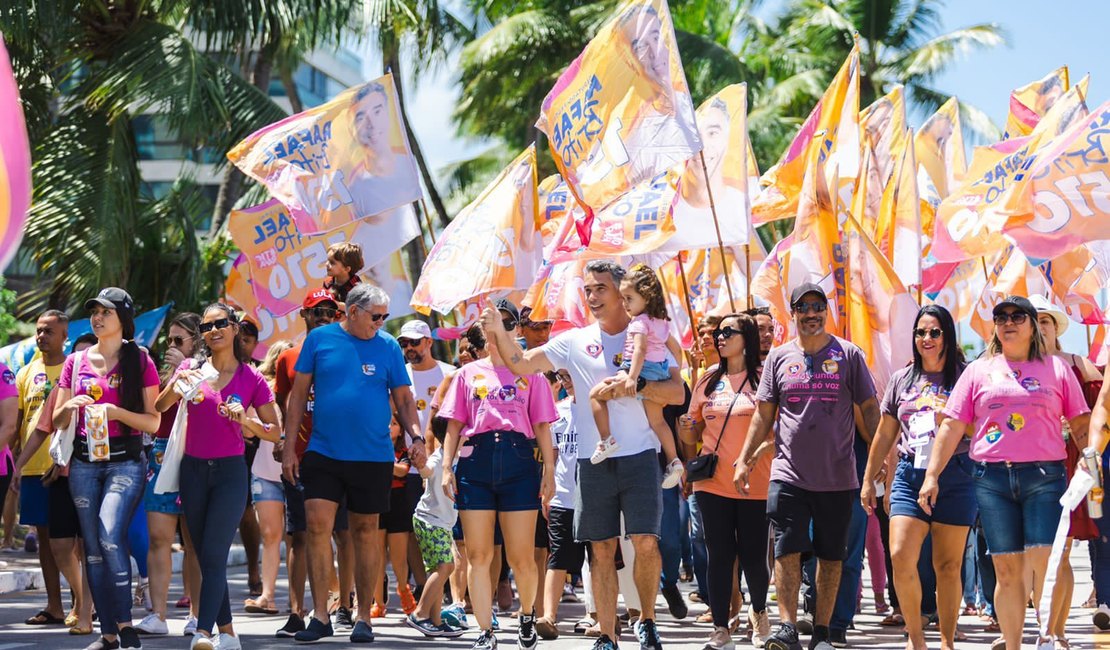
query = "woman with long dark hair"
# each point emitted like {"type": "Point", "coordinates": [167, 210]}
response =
{"type": "Point", "coordinates": [721, 410]}
{"type": "Point", "coordinates": [214, 495]}
{"type": "Point", "coordinates": [111, 389]}
{"type": "Point", "coordinates": [911, 411]}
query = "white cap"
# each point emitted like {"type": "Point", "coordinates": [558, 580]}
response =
{"type": "Point", "coordinates": [415, 329]}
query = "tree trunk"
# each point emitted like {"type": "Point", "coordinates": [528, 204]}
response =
{"type": "Point", "coordinates": [393, 64]}
{"type": "Point", "coordinates": [231, 188]}
{"type": "Point", "coordinates": [291, 91]}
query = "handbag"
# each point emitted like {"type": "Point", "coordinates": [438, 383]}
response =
{"type": "Point", "coordinates": [169, 474]}
{"type": "Point", "coordinates": [703, 467]}
{"type": "Point", "coordinates": [61, 443]}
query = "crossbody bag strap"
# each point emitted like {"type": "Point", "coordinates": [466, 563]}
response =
{"type": "Point", "coordinates": [728, 414]}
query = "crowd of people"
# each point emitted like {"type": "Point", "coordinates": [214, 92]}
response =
{"type": "Point", "coordinates": [605, 456]}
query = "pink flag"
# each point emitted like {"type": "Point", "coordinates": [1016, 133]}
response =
{"type": "Point", "coordinates": [15, 164]}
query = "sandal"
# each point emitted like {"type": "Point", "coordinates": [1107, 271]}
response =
{"type": "Point", "coordinates": [893, 620]}
{"type": "Point", "coordinates": [584, 624]}
{"type": "Point", "coordinates": [44, 618]}
{"type": "Point", "coordinates": [252, 606]}
{"type": "Point", "coordinates": [992, 627]}
{"type": "Point", "coordinates": [77, 630]}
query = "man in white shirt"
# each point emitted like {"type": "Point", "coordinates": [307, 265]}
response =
{"type": "Point", "coordinates": [425, 371]}
{"type": "Point", "coordinates": [628, 482]}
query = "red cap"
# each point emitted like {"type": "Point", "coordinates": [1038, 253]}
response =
{"type": "Point", "coordinates": [317, 297]}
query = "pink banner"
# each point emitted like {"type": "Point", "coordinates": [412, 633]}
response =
{"type": "Point", "coordinates": [15, 164]}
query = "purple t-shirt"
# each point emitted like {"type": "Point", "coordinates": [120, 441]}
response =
{"type": "Point", "coordinates": [210, 433]}
{"type": "Point", "coordinates": [8, 390]}
{"type": "Point", "coordinates": [816, 429]}
{"type": "Point", "coordinates": [104, 389]}
{"type": "Point", "coordinates": [903, 400]}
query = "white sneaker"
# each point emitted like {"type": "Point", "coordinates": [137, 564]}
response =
{"type": "Point", "coordinates": [151, 624]}
{"type": "Point", "coordinates": [672, 475]}
{"type": "Point", "coordinates": [228, 642]}
{"type": "Point", "coordinates": [190, 626]}
{"type": "Point", "coordinates": [605, 449]}
{"type": "Point", "coordinates": [720, 639]}
{"type": "Point", "coordinates": [201, 642]}
{"type": "Point", "coordinates": [1101, 618]}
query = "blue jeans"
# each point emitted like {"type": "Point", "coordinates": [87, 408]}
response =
{"type": "Point", "coordinates": [697, 544]}
{"type": "Point", "coordinates": [670, 546]}
{"type": "Point", "coordinates": [1100, 548]}
{"type": "Point", "coordinates": [987, 581]}
{"type": "Point", "coordinates": [684, 534]}
{"type": "Point", "coordinates": [850, 572]}
{"type": "Point", "coordinates": [106, 494]}
{"type": "Point", "coordinates": [1019, 504]}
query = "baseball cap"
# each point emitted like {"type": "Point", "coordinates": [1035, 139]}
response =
{"type": "Point", "coordinates": [415, 329]}
{"type": "Point", "coordinates": [112, 298]}
{"type": "Point", "coordinates": [317, 297]}
{"type": "Point", "coordinates": [1020, 302]}
{"type": "Point", "coordinates": [526, 318]}
{"type": "Point", "coordinates": [503, 304]}
{"type": "Point", "coordinates": [803, 289]}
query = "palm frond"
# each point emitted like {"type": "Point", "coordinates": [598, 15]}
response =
{"type": "Point", "coordinates": [932, 57]}
{"type": "Point", "coordinates": [919, 17]}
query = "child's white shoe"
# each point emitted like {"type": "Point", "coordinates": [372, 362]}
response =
{"type": "Point", "coordinates": [605, 449]}
{"type": "Point", "coordinates": [673, 474]}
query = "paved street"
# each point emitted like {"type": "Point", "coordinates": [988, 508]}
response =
{"type": "Point", "coordinates": [257, 631]}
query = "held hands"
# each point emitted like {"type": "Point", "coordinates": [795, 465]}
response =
{"type": "Point", "coordinates": [418, 455]}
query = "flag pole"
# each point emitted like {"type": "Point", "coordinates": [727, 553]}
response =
{"type": "Point", "coordinates": [428, 219]}
{"type": "Point", "coordinates": [748, 273]}
{"type": "Point", "coordinates": [689, 305]}
{"type": "Point", "coordinates": [717, 227]}
{"type": "Point", "coordinates": [1088, 341]}
{"type": "Point", "coordinates": [986, 276]}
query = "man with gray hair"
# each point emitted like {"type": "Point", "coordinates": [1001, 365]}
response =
{"type": "Point", "coordinates": [355, 370]}
{"type": "Point", "coordinates": [627, 483]}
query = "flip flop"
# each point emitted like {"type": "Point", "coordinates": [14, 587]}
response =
{"type": "Point", "coordinates": [252, 606]}
{"type": "Point", "coordinates": [893, 620]}
{"type": "Point", "coordinates": [77, 630]}
{"type": "Point", "coordinates": [583, 624]}
{"type": "Point", "coordinates": [45, 618]}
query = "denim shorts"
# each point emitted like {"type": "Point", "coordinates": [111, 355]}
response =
{"type": "Point", "coordinates": [955, 504]}
{"type": "Point", "coordinates": [263, 490]}
{"type": "Point", "coordinates": [168, 503]}
{"type": "Point", "coordinates": [499, 472]}
{"type": "Point", "coordinates": [34, 501]}
{"type": "Point", "coordinates": [1019, 503]}
{"type": "Point", "coordinates": [652, 370]}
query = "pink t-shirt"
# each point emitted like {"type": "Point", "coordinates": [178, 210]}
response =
{"type": "Point", "coordinates": [487, 399]}
{"type": "Point", "coordinates": [211, 434]}
{"type": "Point", "coordinates": [1015, 408]}
{"type": "Point", "coordinates": [656, 330]}
{"type": "Point", "coordinates": [104, 389]}
{"type": "Point", "coordinates": [8, 390]}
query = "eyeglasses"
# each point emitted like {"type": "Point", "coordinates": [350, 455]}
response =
{"type": "Point", "coordinates": [378, 317]}
{"type": "Point", "coordinates": [932, 333]}
{"type": "Point", "coordinates": [806, 307]}
{"type": "Point", "coordinates": [508, 324]}
{"type": "Point", "coordinates": [176, 341]}
{"type": "Point", "coordinates": [324, 312]}
{"type": "Point", "coordinates": [1015, 317]}
{"type": "Point", "coordinates": [725, 333]}
{"type": "Point", "coordinates": [408, 343]}
{"type": "Point", "coordinates": [214, 325]}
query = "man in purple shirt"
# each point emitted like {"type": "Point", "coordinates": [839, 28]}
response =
{"type": "Point", "coordinates": [811, 388]}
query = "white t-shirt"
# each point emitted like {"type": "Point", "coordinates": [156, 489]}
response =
{"type": "Point", "coordinates": [434, 508]}
{"type": "Point", "coordinates": [424, 385]}
{"type": "Point", "coordinates": [590, 356]}
{"type": "Point", "coordinates": [565, 438]}
{"type": "Point", "coordinates": [264, 465]}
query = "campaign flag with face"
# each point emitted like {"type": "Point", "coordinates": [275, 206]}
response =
{"type": "Point", "coordinates": [898, 231]}
{"type": "Point", "coordinates": [285, 265]}
{"type": "Point", "coordinates": [941, 166]}
{"type": "Point", "coordinates": [344, 160]}
{"type": "Point", "coordinates": [1063, 200]}
{"type": "Point", "coordinates": [1010, 274]}
{"type": "Point", "coordinates": [15, 164]}
{"type": "Point", "coordinates": [559, 294]}
{"type": "Point", "coordinates": [493, 244]}
{"type": "Point", "coordinates": [1029, 103]}
{"type": "Point", "coordinates": [621, 113]}
{"type": "Point", "coordinates": [883, 124]}
{"type": "Point", "coordinates": [961, 289]}
{"type": "Point", "coordinates": [1077, 278]}
{"type": "Point", "coordinates": [831, 131]}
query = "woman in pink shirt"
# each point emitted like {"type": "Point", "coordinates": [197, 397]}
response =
{"type": "Point", "coordinates": [214, 494]}
{"type": "Point", "coordinates": [495, 420]}
{"type": "Point", "coordinates": [1012, 399]}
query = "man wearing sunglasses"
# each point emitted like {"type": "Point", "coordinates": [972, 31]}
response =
{"type": "Point", "coordinates": [810, 388]}
{"type": "Point", "coordinates": [425, 371]}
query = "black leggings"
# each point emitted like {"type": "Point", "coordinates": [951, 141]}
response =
{"type": "Point", "coordinates": [735, 529]}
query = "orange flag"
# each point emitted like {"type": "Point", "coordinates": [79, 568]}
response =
{"type": "Point", "coordinates": [1031, 102]}
{"type": "Point", "coordinates": [942, 164]}
{"type": "Point", "coordinates": [898, 231]}
{"type": "Point", "coordinates": [884, 130]}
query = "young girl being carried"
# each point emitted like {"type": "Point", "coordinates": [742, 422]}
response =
{"type": "Point", "coordinates": [645, 356]}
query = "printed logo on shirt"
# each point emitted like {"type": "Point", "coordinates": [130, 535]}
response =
{"type": "Point", "coordinates": [369, 369]}
{"type": "Point", "coordinates": [8, 377]}
{"type": "Point", "coordinates": [594, 350]}
{"type": "Point", "coordinates": [1031, 384]}
{"type": "Point", "coordinates": [481, 391]}
{"type": "Point", "coordinates": [618, 359]}
{"type": "Point", "coordinates": [92, 389]}
{"type": "Point", "coordinates": [198, 398]}
{"type": "Point", "coordinates": [794, 370]}
{"type": "Point", "coordinates": [113, 381]}
{"type": "Point", "coordinates": [994, 433]}
{"type": "Point", "coordinates": [720, 386]}
{"type": "Point", "coordinates": [432, 391]}
{"type": "Point", "coordinates": [836, 355]}
{"type": "Point", "coordinates": [421, 405]}
{"type": "Point", "coordinates": [1016, 422]}
{"type": "Point", "coordinates": [39, 379]}
{"type": "Point", "coordinates": [830, 366]}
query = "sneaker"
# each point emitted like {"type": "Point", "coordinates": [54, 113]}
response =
{"type": "Point", "coordinates": [785, 638]}
{"type": "Point", "coordinates": [31, 543]}
{"type": "Point", "coordinates": [605, 449]}
{"type": "Point", "coordinates": [494, 625]}
{"type": "Point", "coordinates": [425, 626]}
{"type": "Point", "coordinates": [822, 645]}
{"type": "Point", "coordinates": [1101, 618]}
{"type": "Point", "coordinates": [605, 643]}
{"type": "Point", "coordinates": [455, 616]}
{"type": "Point", "coordinates": [362, 633]}
{"type": "Point", "coordinates": [191, 626]}
{"type": "Point", "coordinates": [129, 638]}
{"type": "Point", "coordinates": [486, 641]}
{"type": "Point", "coordinates": [151, 624]}
{"type": "Point", "coordinates": [228, 642]}
{"type": "Point", "coordinates": [448, 631]}
{"type": "Point", "coordinates": [547, 629]}
{"type": "Point", "coordinates": [568, 594]}
{"type": "Point", "coordinates": [342, 618]}
{"type": "Point", "coordinates": [314, 632]}
{"type": "Point", "coordinates": [805, 624]}
{"type": "Point", "coordinates": [201, 642]}
{"type": "Point", "coordinates": [526, 638]}
{"type": "Point", "coordinates": [408, 601]}
{"type": "Point", "coordinates": [720, 639]}
{"type": "Point", "coordinates": [648, 635]}
{"type": "Point", "coordinates": [761, 628]}
{"type": "Point", "coordinates": [675, 602]}
{"type": "Point", "coordinates": [838, 638]}
{"type": "Point", "coordinates": [673, 474]}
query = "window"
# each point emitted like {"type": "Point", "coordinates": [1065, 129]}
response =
{"type": "Point", "coordinates": [155, 141]}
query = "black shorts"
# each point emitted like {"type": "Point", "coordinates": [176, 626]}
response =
{"type": "Point", "coordinates": [364, 484]}
{"type": "Point", "coordinates": [566, 554]}
{"type": "Point", "coordinates": [792, 509]}
{"type": "Point", "coordinates": [295, 519]}
{"type": "Point", "coordinates": [62, 515]}
{"type": "Point", "coordinates": [402, 503]}
{"type": "Point", "coordinates": [541, 532]}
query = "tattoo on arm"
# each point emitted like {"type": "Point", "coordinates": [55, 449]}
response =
{"type": "Point", "coordinates": [516, 358]}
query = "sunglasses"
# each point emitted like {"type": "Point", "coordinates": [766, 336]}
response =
{"type": "Point", "coordinates": [931, 333]}
{"type": "Point", "coordinates": [1015, 317]}
{"type": "Point", "coordinates": [806, 307]}
{"type": "Point", "coordinates": [378, 317]}
{"type": "Point", "coordinates": [725, 333]}
{"type": "Point", "coordinates": [508, 324]}
{"type": "Point", "coordinates": [214, 325]}
{"type": "Point", "coordinates": [324, 312]}
{"type": "Point", "coordinates": [176, 341]}
{"type": "Point", "coordinates": [408, 343]}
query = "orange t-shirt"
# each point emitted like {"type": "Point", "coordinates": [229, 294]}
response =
{"type": "Point", "coordinates": [712, 411]}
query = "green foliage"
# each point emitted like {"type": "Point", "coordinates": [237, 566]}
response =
{"type": "Point", "coordinates": [8, 323]}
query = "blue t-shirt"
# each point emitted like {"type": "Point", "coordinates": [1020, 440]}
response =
{"type": "Point", "coordinates": [352, 379]}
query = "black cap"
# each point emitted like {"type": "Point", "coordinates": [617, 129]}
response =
{"type": "Point", "coordinates": [803, 289]}
{"type": "Point", "coordinates": [503, 304]}
{"type": "Point", "coordinates": [112, 298]}
{"type": "Point", "coordinates": [1021, 303]}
